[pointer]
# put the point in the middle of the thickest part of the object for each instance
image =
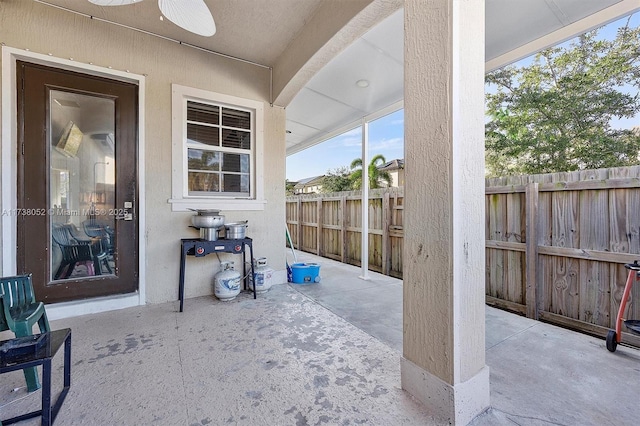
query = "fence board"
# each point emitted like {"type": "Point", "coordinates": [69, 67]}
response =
{"type": "Point", "coordinates": [514, 260]}
{"type": "Point", "coordinates": [385, 255]}
{"type": "Point", "coordinates": [533, 290]}
{"type": "Point", "coordinates": [565, 234]}
{"type": "Point", "coordinates": [593, 276]}
{"type": "Point", "coordinates": [343, 232]}
{"type": "Point", "coordinates": [495, 266]}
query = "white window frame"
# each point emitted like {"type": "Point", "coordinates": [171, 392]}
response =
{"type": "Point", "coordinates": [181, 200]}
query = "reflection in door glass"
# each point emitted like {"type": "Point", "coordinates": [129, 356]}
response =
{"type": "Point", "coordinates": [81, 185]}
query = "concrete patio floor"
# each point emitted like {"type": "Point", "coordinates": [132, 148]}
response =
{"type": "Point", "coordinates": [326, 353]}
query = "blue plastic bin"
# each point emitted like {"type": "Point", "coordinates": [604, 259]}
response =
{"type": "Point", "coordinates": [305, 273]}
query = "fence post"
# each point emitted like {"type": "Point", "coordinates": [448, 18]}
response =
{"type": "Point", "coordinates": [343, 230]}
{"type": "Point", "coordinates": [319, 251]}
{"type": "Point", "coordinates": [386, 262]}
{"type": "Point", "coordinates": [299, 224]}
{"type": "Point", "coordinates": [532, 250]}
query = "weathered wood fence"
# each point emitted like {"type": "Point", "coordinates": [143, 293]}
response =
{"type": "Point", "coordinates": [555, 244]}
{"type": "Point", "coordinates": [330, 225]}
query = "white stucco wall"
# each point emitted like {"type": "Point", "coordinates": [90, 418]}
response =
{"type": "Point", "coordinates": [42, 29]}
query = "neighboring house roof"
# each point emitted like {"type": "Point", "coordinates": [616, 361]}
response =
{"type": "Point", "coordinates": [389, 166]}
{"type": "Point", "coordinates": [315, 180]}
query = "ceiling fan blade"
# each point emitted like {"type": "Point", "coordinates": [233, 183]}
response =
{"type": "Point", "coordinates": [113, 2]}
{"type": "Point", "coordinates": [192, 15]}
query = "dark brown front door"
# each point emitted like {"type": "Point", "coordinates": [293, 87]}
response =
{"type": "Point", "coordinates": [77, 183]}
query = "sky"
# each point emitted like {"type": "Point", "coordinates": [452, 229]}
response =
{"type": "Point", "coordinates": [386, 135]}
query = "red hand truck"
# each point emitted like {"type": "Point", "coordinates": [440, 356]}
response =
{"type": "Point", "coordinates": [615, 336]}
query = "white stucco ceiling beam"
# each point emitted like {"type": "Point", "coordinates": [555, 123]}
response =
{"type": "Point", "coordinates": [322, 38]}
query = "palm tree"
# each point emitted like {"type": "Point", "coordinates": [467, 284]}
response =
{"type": "Point", "coordinates": [376, 177]}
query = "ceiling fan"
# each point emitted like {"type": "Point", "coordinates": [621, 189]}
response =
{"type": "Point", "coordinates": [192, 15]}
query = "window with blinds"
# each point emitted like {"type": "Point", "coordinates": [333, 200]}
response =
{"type": "Point", "coordinates": [219, 150]}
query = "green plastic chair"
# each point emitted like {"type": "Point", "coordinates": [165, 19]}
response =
{"type": "Point", "coordinates": [19, 313]}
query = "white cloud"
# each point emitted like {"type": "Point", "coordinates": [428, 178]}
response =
{"type": "Point", "coordinates": [352, 141]}
{"type": "Point", "coordinates": [386, 144]}
{"type": "Point", "coordinates": [349, 139]}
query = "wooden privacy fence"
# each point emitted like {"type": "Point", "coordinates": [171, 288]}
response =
{"type": "Point", "coordinates": [330, 225]}
{"type": "Point", "coordinates": [556, 244]}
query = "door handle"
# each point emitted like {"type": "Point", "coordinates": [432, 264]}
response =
{"type": "Point", "coordinates": [124, 216]}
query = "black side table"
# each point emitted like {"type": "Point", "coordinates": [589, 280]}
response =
{"type": "Point", "coordinates": [198, 248]}
{"type": "Point", "coordinates": [16, 359]}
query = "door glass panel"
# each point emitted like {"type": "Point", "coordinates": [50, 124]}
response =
{"type": "Point", "coordinates": [81, 204]}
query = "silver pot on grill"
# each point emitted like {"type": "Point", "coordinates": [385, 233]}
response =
{"type": "Point", "coordinates": [235, 230]}
{"type": "Point", "coordinates": [209, 234]}
{"type": "Point", "coordinates": [208, 222]}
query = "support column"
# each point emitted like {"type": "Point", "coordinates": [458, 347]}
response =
{"type": "Point", "coordinates": [443, 363]}
{"type": "Point", "coordinates": [364, 248]}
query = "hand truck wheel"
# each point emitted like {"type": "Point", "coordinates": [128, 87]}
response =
{"type": "Point", "coordinates": [611, 341]}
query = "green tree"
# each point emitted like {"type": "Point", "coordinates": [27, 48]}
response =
{"type": "Point", "coordinates": [288, 187]}
{"type": "Point", "coordinates": [337, 180]}
{"type": "Point", "coordinates": [556, 113]}
{"type": "Point", "coordinates": [376, 177]}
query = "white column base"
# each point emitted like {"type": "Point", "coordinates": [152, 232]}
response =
{"type": "Point", "coordinates": [279, 277]}
{"type": "Point", "coordinates": [458, 404]}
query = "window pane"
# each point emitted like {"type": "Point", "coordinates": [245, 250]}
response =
{"type": "Point", "coordinates": [235, 163]}
{"type": "Point", "coordinates": [236, 139]}
{"type": "Point", "coordinates": [203, 134]}
{"type": "Point", "coordinates": [235, 118]}
{"type": "Point", "coordinates": [244, 183]}
{"type": "Point", "coordinates": [204, 182]}
{"type": "Point", "coordinates": [204, 160]}
{"type": "Point", "coordinates": [203, 113]}
{"type": "Point", "coordinates": [235, 183]}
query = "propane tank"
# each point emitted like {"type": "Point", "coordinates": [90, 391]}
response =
{"type": "Point", "coordinates": [262, 277]}
{"type": "Point", "coordinates": [226, 283]}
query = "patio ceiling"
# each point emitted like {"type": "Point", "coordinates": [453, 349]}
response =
{"type": "Point", "coordinates": [329, 101]}
{"type": "Point", "coordinates": [332, 102]}
{"type": "Point", "coordinates": [255, 30]}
